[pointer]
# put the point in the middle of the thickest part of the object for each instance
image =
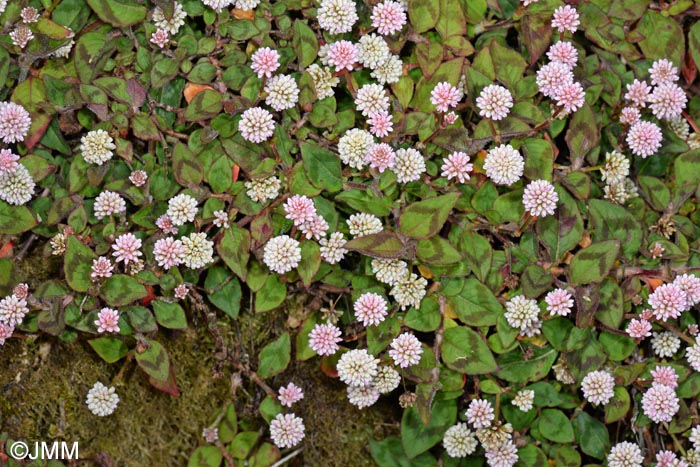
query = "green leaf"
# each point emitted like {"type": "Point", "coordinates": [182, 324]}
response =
{"type": "Point", "coordinates": [611, 221]}
{"type": "Point", "coordinates": [154, 361]}
{"type": "Point", "coordinates": [205, 105]}
{"type": "Point", "coordinates": [234, 249]}
{"type": "Point", "coordinates": [508, 64]}
{"type": "Point", "coordinates": [15, 219]}
{"type": "Point", "coordinates": [425, 218]}
{"type": "Point", "coordinates": [476, 305]}
{"type": "Point", "coordinates": [687, 172]}
{"type": "Point", "coordinates": [117, 13]}
{"type": "Point", "coordinates": [322, 167]}
{"type": "Point", "coordinates": [610, 310]}
{"type": "Point", "coordinates": [423, 14]}
{"type": "Point", "coordinates": [305, 44]}
{"type": "Point", "coordinates": [77, 265]}
{"type": "Point", "coordinates": [169, 315]}
{"type": "Point", "coordinates": [655, 192]}
{"type": "Point", "coordinates": [478, 253]}
{"type": "Point", "coordinates": [555, 426]}
{"type": "Point", "coordinates": [561, 232]}
{"type": "Point", "coordinates": [121, 289]}
{"type": "Point", "coordinates": [417, 437]}
{"type": "Point", "coordinates": [535, 281]}
{"type": "Point", "coordinates": [243, 444]}
{"type": "Point", "coordinates": [187, 169]}
{"type": "Point", "coordinates": [141, 319]}
{"type": "Point", "coordinates": [275, 356]}
{"type": "Point", "coordinates": [516, 370]}
{"type": "Point", "coordinates": [380, 245]}
{"type": "Point", "coordinates": [464, 350]}
{"type": "Point", "coordinates": [592, 436]}
{"type": "Point", "coordinates": [109, 349]}
{"type": "Point", "coordinates": [539, 159]}
{"type": "Point", "coordinates": [271, 295]}
{"type": "Point", "coordinates": [530, 455]}
{"type": "Point", "coordinates": [593, 264]}
{"type": "Point", "coordinates": [617, 347]}
{"type": "Point", "coordinates": [536, 34]}
{"type": "Point", "coordinates": [365, 201]}
{"type": "Point", "coordinates": [663, 37]}
{"type": "Point", "coordinates": [206, 456]}
{"type": "Point", "coordinates": [437, 251]}
{"type": "Point", "coordinates": [583, 133]}
{"type": "Point", "coordinates": [618, 406]}
{"type": "Point", "coordinates": [223, 290]}
{"type": "Point", "coordinates": [310, 261]}
{"type": "Point", "coordinates": [390, 453]}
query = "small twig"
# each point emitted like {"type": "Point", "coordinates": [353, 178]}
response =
{"type": "Point", "coordinates": [676, 331]}
{"type": "Point", "coordinates": [287, 457]}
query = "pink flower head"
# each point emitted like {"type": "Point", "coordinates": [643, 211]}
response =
{"type": "Point", "coordinates": [324, 338]}
{"type": "Point", "coordinates": [449, 118]}
{"type": "Point", "coordinates": [370, 309]}
{"type": "Point", "coordinates": [299, 209]}
{"type": "Point", "coordinates": [290, 394]}
{"type": "Point", "coordinates": [552, 76]}
{"type": "Point", "coordinates": [6, 331]}
{"type": "Point", "coordinates": [160, 38]}
{"type": "Point", "coordinates": [669, 459]}
{"type": "Point", "coordinates": [668, 101]}
{"type": "Point", "coordinates": [256, 125]}
{"type": "Point", "coordinates": [494, 102]}
{"type": "Point", "coordinates": [691, 286]}
{"type": "Point", "coordinates": [540, 199]}
{"type": "Point", "coordinates": [168, 252]}
{"type": "Point", "coordinates": [13, 310]}
{"type": "Point", "coordinates": [565, 19]}
{"type": "Point", "coordinates": [665, 375]}
{"type": "Point", "coordinates": [638, 92]}
{"type": "Point", "coordinates": [107, 320]}
{"type": "Point", "coordinates": [444, 95]}
{"type": "Point", "coordinates": [126, 248]}
{"type": "Point", "coordinates": [181, 291]}
{"type": "Point", "coordinates": [14, 122]}
{"type": "Point", "coordinates": [388, 17]}
{"type": "Point", "coordinates": [21, 291]}
{"type": "Point", "coordinates": [165, 224]}
{"type": "Point", "coordinates": [405, 350]}
{"type": "Point", "coordinates": [380, 124]}
{"type": "Point", "coordinates": [644, 138]}
{"type": "Point", "coordinates": [660, 403]}
{"type": "Point", "coordinates": [138, 177]}
{"type": "Point", "coordinates": [457, 165]}
{"type": "Point", "coordinates": [101, 267]}
{"type": "Point", "coordinates": [571, 96]}
{"type": "Point", "coordinates": [480, 413]}
{"type": "Point", "coordinates": [693, 329]}
{"type": "Point", "coordinates": [342, 55]}
{"type": "Point", "coordinates": [381, 157]}
{"type": "Point", "coordinates": [265, 61]}
{"type": "Point", "coordinates": [315, 228]}
{"type": "Point", "coordinates": [559, 302]}
{"type": "Point", "coordinates": [639, 329]}
{"type": "Point", "coordinates": [564, 53]}
{"type": "Point", "coordinates": [668, 301]}
{"type": "Point", "coordinates": [286, 430]}
{"type": "Point", "coordinates": [647, 314]}
{"type": "Point", "coordinates": [8, 161]}
{"type": "Point", "coordinates": [629, 115]}
{"type": "Point", "coordinates": [662, 72]}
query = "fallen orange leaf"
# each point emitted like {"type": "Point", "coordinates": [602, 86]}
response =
{"type": "Point", "coordinates": [6, 250]}
{"type": "Point", "coordinates": [235, 170]}
{"type": "Point", "coordinates": [192, 89]}
{"type": "Point", "coordinates": [243, 14]}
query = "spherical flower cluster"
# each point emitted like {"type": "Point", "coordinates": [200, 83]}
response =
{"type": "Point", "coordinates": [353, 147]}
{"type": "Point", "coordinates": [629, 115]}
{"type": "Point", "coordinates": [665, 344]}
{"type": "Point", "coordinates": [389, 271]}
{"type": "Point", "coordinates": [299, 209]}
{"type": "Point", "coordinates": [180, 292]}
{"type": "Point", "coordinates": [362, 396]}
{"type": "Point", "coordinates": [256, 125]}
{"type": "Point", "coordinates": [29, 15]}
{"type": "Point", "coordinates": [663, 72]}
{"type": "Point", "coordinates": [246, 5]}
{"type": "Point", "coordinates": [324, 338]}
{"type": "Point", "coordinates": [332, 250]}
{"type": "Point", "coordinates": [389, 71]}
{"type": "Point", "coordinates": [387, 379]}
{"type": "Point", "coordinates": [21, 36]}
{"type": "Point", "coordinates": [160, 38]}
{"type": "Point", "coordinates": [565, 19]}
{"type": "Point", "coordinates": [6, 331]}
{"type": "Point", "coordinates": [173, 24]}
{"type": "Point", "coordinates": [408, 165]}
{"type": "Point", "coordinates": [16, 187]}
{"type": "Point", "coordinates": [290, 394]}
{"type": "Point", "coordinates": [210, 435]}
{"type": "Point", "coordinates": [668, 301]}
{"type": "Point", "coordinates": [102, 400]}
{"type": "Point", "coordinates": [669, 459]}
{"type": "Point", "coordinates": [21, 291]}
{"type": "Point", "coordinates": [282, 254]}
{"type": "Point", "coordinates": [8, 161]}
{"type": "Point", "coordinates": [14, 122]}
{"type": "Point", "coordinates": [165, 224]}
{"type": "Point", "coordinates": [126, 248]}
{"type": "Point", "coordinates": [323, 79]}
{"type": "Point", "coordinates": [101, 267]}
{"type": "Point", "coordinates": [524, 399]}
{"type": "Point", "coordinates": [559, 302]}
{"type": "Point", "coordinates": [198, 250]}
{"type": "Point", "coordinates": [660, 403]}
{"type": "Point", "coordinates": [362, 224]}
{"type": "Point", "coordinates": [502, 455]}
{"type": "Point", "coordinates": [406, 350]}
{"type": "Point", "coordinates": [388, 17]}
{"type": "Point", "coordinates": [409, 291]}
{"type": "Point", "coordinates": [638, 93]}
{"type": "Point", "coordinates": [668, 101]}
{"type": "Point", "coordinates": [372, 50]}
{"type": "Point", "coordinates": [598, 387]}
{"type": "Point", "coordinates": [107, 320]}
{"type": "Point", "coordinates": [695, 436]}
{"type": "Point", "coordinates": [380, 125]}
{"type": "Point", "coordinates": [108, 203]}
{"type": "Point", "coordinates": [457, 165]}
{"type": "Point", "coordinates": [182, 208]}
{"type": "Point", "coordinates": [337, 16]}
{"type": "Point", "coordinates": [570, 96]}
{"type": "Point", "coordinates": [644, 138]}
{"type": "Point", "coordinates": [504, 165]}
{"type": "Point", "coordinates": [459, 441]}
{"type": "Point", "coordinates": [370, 309]}
{"type": "Point", "coordinates": [217, 5]}
{"type": "Point", "coordinates": [540, 199]}
{"type": "Point", "coordinates": [523, 314]}
{"type": "Point", "coordinates": [221, 219]}
{"type": "Point", "coordinates": [265, 62]}
{"type": "Point", "coordinates": [262, 189]}
{"type": "Point", "coordinates": [97, 147]}
{"type": "Point", "coordinates": [357, 367]}
{"type": "Point", "coordinates": [616, 167]}
{"type": "Point", "coordinates": [138, 177]}
{"type": "Point", "coordinates": [342, 55]}
{"type": "Point", "coordinates": [639, 328]}
{"type": "Point", "coordinates": [563, 52]}
{"type": "Point", "coordinates": [552, 76]}
{"type": "Point", "coordinates": [625, 454]}
{"type": "Point", "coordinates": [282, 92]}
{"type": "Point", "coordinates": [690, 285]}
{"type": "Point", "coordinates": [12, 310]}
{"type": "Point", "coordinates": [444, 96]}
{"type": "Point", "coordinates": [665, 375]}
{"type": "Point", "coordinates": [286, 430]}
{"type": "Point", "coordinates": [168, 252]}
{"type": "Point", "coordinates": [372, 98]}
{"type": "Point", "coordinates": [494, 102]}
{"type": "Point", "coordinates": [480, 413]}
